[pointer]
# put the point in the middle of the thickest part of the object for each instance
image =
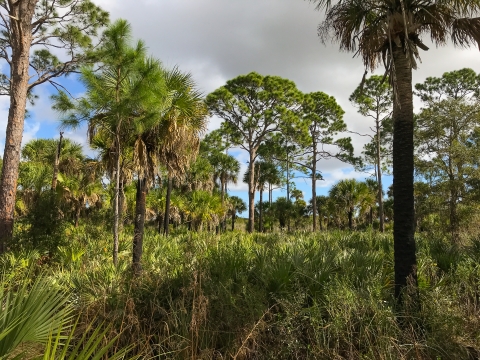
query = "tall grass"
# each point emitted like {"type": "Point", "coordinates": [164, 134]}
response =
{"type": "Point", "coordinates": [271, 296]}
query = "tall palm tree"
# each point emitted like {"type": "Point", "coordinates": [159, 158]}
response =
{"type": "Point", "coordinates": [390, 31]}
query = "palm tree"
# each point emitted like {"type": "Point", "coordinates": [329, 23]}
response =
{"type": "Point", "coordinates": [226, 169]}
{"type": "Point", "coordinates": [237, 205]}
{"type": "Point", "coordinates": [125, 96]}
{"type": "Point", "coordinates": [390, 31]}
{"type": "Point", "coordinates": [349, 194]}
{"type": "Point", "coordinates": [180, 129]}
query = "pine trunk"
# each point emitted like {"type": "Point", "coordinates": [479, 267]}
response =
{"type": "Point", "coordinates": [21, 15]}
{"type": "Point", "coordinates": [403, 206]}
{"type": "Point", "coordinates": [260, 217]}
{"type": "Point", "coordinates": [379, 181]}
{"type": "Point", "coordinates": [116, 203]}
{"type": "Point", "coordinates": [251, 194]}
{"type": "Point", "coordinates": [140, 206]}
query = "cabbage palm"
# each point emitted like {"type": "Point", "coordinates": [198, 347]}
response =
{"type": "Point", "coordinates": [390, 31]}
{"type": "Point", "coordinates": [123, 98]}
{"type": "Point", "coordinates": [179, 129]}
{"type": "Point", "coordinates": [350, 195]}
{"type": "Point", "coordinates": [236, 205]}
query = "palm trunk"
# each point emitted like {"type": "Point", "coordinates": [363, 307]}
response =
{"type": "Point", "coordinates": [21, 40]}
{"type": "Point", "coordinates": [140, 206]}
{"type": "Point", "coordinates": [166, 220]}
{"type": "Point", "coordinates": [350, 219]}
{"type": "Point", "coordinates": [57, 162]}
{"type": "Point", "coordinates": [233, 220]}
{"type": "Point", "coordinates": [403, 206]}
{"type": "Point", "coordinates": [251, 193]}
{"type": "Point", "coordinates": [379, 181]}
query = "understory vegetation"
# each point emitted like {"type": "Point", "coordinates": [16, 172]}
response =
{"type": "Point", "coordinates": [324, 295]}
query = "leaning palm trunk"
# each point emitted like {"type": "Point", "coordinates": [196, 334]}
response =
{"type": "Point", "coordinates": [403, 207]}
{"type": "Point", "coordinates": [140, 207]}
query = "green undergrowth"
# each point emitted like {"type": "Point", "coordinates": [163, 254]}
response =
{"type": "Point", "coordinates": [265, 296]}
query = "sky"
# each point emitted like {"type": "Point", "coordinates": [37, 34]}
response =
{"type": "Point", "coordinates": [217, 40]}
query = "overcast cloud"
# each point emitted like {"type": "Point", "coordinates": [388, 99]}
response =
{"type": "Point", "coordinates": [217, 40]}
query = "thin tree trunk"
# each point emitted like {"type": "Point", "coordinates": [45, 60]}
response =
{"type": "Point", "coordinates": [77, 215]}
{"type": "Point", "coordinates": [379, 181]}
{"type": "Point", "coordinates": [116, 203]}
{"type": "Point", "coordinates": [314, 187]}
{"type": "Point", "coordinates": [222, 197]}
{"type": "Point", "coordinates": [21, 18]}
{"type": "Point", "coordinates": [166, 220]}
{"type": "Point", "coordinates": [140, 206]}
{"type": "Point", "coordinates": [403, 207]}
{"type": "Point", "coordinates": [160, 224]}
{"type": "Point", "coordinates": [233, 220]}
{"type": "Point", "coordinates": [121, 206]}
{"type": "Point", "coordinates": [251, 194]}
{"type": "Point", "coordinates": [350, 219]}
{"type": "Point", "coordinates": [260, 217]}
{"type": "Point", "coordinates": [57, 162]}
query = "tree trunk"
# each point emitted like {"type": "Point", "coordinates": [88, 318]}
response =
{"type": "Point", "coordinates": [233, 220]}
{"type": "Point", "coordinates": [160, 224]}
{"type": "Point", "coordinates": [21, 15]}
{"type": "Point", "coordinates": [116, 211]}
{"type": "Point", "coordinates": [57, 162]}
{"type": "Point", "coordinates": [78, 211]}
{"type": "Point", "coordinates": [454, 216]}
{"type": "Point", "coordinates": [260, 217]}
{"type": "Point", "coordinates": [251, 193]}
{"type": "Point", "coordinates": [140, 206]}
{"type": "Point", "coordinates": [166, 220]}
{"type": "Point", "coordinates": [350, 219]}
{"type": "Point", "coordinates": [121, 206]}
{"type": "Point", "coordinates": [403, 206]}
{"type": "Point", "coordinates": [314, 186]}
{"type": "Point", "coordinates": [222, 197]}
{"type": "Point", "coordinates": [379, 181]}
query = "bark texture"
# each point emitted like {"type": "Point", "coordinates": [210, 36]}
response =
{"type": "Point", "coordinates": [21, 19]}
{"type": "Point", "coordinates": [403, 207]}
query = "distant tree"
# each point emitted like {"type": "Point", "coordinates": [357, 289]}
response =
{"type": "Point", "coordinates": [33, 34]}
{"type": "Point", "coordinates": [254, 107]}
{"type": "Point", "coordinates": [374, 99]}
{"type": "Point", "coordinates": [349, 194]}
{"type": "Point", "coordinates": [237, 205]}
{"type": "Point", "coordinates": [447, 147]}
{"type": "Point", "coordinates": [322, 121]}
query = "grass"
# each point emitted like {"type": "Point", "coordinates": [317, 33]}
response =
{"type": "Point", "coordinates": [265, 296]}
